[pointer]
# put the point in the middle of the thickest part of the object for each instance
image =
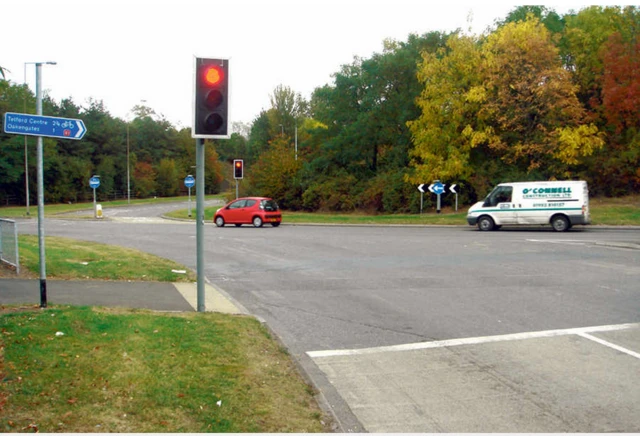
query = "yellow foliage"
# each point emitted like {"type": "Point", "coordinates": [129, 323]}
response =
{"type": "Point", "coordinates": [574, 142]}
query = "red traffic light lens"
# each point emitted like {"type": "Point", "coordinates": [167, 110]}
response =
{"type": "Point", "coordinates": [212, 75]}
{"type": "Point", "coordinates": [238, 164]}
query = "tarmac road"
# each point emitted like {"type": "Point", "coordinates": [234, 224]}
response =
{"type": "Point", "coordinates": [413, 329]}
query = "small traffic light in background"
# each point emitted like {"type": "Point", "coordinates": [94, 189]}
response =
{"type": "Point", "coordinates": [238, 169]}
{"type": "Point", "coordinates": [211, 98]}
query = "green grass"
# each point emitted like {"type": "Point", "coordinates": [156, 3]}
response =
{"type": "Point", "coordinates": [74, 259]}
{"type": "Point", "coordinates": [115, 370]}
{"type": "Point", "coordinates": [623, 211]}
{"type": "Point", "coordinates": [604, 211]}
{"type": "Point", "coordinates": [56, 209]}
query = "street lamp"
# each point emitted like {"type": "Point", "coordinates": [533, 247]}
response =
{"type": "Point", "coordinates": [128, 166]}
{"type": "Point", "coordinates": [26, 153]}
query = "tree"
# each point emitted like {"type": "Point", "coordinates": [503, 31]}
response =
{"type": "Point", "coordinates": [534, 117]}
{"type": "Point", "coordinates": [144, 177]}
{"type": "Point", "coordinates": [167, 179]}
{"type": "Point", "coordinates": [449, 106]}
{"type": "Point", "coordinates": [276, 174]}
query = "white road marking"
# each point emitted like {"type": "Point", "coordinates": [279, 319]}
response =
{"type": "Point", "coordinates": [610, 345]}
{"type": "Point", "coordinates": [478, 340]}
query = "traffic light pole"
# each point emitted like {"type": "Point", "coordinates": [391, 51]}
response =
{"type": "Point", "coordinates": [200, 221]}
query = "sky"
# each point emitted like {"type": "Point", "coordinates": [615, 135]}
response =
{"type": "Point", "coordinates": [133, 52]}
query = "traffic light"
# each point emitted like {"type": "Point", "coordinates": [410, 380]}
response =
{"type": "Point", "coordinates": [238, 169]}
{"type": "Point", "coordinates": [211, 98]}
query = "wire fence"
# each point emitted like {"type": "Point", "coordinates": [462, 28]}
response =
{"type": "Point", "coordinates": [9, 253]}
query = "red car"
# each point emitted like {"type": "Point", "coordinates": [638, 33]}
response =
{"type": "Point", "coordinates": [249, 210]}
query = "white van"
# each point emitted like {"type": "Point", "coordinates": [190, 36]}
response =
{"type": "Point", "coordinates": [560, 204]}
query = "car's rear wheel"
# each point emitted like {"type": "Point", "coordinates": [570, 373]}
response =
{"type": "Point", "coordinates": [257, 221]}
{"type": "Point", "coordinates": [219, 221]}
{"type": "Point", "coordinates": [560, 223]}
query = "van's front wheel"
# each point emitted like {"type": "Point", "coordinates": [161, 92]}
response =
{"type": "Point", "coordinates": [485, 223]}
{"type": "Point", "coordinates": [560, 223]}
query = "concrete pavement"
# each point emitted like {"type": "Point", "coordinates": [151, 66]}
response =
{"type": "Point", "coordinates": [161, 296]}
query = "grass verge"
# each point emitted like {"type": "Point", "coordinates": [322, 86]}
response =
{"type": "Point", "coordinates": [623, 211]}
{"type": "Point", "coordinates": [56, 209]}
{"type": "Point", "coordinates": [80, 369]}
{"type": "Point", "coordinates": [74, 259]}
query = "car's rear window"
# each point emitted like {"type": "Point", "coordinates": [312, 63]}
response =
{"type": "Point", "coordinates": [269, 205]}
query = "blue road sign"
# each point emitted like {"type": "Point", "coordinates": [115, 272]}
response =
{"type": "Point", "coordinates": [436, 188]}
{"type": "Point", "coordinates": [189, 182]}
{"type": "Point", "coordinates": [37, 125]}
{"type": "Point", "coordinates": [94, 182]}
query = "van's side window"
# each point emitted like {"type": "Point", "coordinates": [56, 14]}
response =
{"type": "Point", "coordinates": [502, 194]}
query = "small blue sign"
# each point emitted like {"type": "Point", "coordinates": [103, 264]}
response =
{"type": "Point", "coordinates": [94, 182]}
{"type": "Point", "coordinates": [436, 188]}
{"type": "Point", "coordinates": [37, 125]}
{"type": "Point", "coordinates": [189, 181]}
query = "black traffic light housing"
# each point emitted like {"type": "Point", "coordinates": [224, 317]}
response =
{"type": "Point", "coordinates": [238, 168]}
{"type": "Point", "coordinates": [211, 98]}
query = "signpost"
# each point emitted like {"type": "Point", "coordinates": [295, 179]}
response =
{"type": "Point", "coordinates": [94, 182]}
{"type": "Point", "coordinates": [452, 188]}
{"type": "Point", "coordinates": [189, 182]}
{"type": "Point", "coordinates": [421, 189]}
{"type": "Point", "coordinates": [437, 188]}
{"type": "Point", "coordinates": [38, 125]}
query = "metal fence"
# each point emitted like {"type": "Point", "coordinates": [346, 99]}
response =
{"type": "Point", "coordinates": [9, 244]}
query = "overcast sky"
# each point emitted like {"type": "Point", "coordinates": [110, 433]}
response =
{"type": "Point", "coordinates": [122, 52]}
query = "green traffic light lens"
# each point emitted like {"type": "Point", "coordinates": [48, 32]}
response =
{"type": "Point", "coordinates": [213, 122]}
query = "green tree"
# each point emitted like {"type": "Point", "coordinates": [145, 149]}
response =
{"type": "Point", "coordinates": [167, 178]}
{"type": "Point", "coordinates": [276, 175]}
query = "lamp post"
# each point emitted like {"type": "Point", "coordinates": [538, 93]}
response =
{"type": "Point", "coordinates": [128, 173]}
{"type": "Point", "coordinates": [128, 166]}
{"type": "Point", "coordinates": [43, 270]}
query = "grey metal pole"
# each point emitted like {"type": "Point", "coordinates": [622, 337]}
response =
{"type": "Point", "coordinates": [128, 173]}
{"type": "Point", "coordinates": [26, 149]}
{"type": "Point", "coordinates": [200, 221]}
{"type": "Point", "coordinates": [43, 267]}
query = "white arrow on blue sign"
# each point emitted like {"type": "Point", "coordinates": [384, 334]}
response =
{"type": "Point", "coordinates": [94, 182]}
{"type": "Point", "coordinates": [436, 188]}
{"type": "Point", "coordinates": [38, 125]}
{"type": "Point", "coordinates": [189, 181]}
